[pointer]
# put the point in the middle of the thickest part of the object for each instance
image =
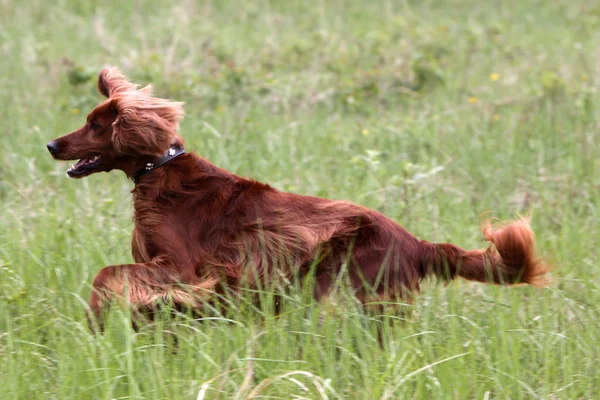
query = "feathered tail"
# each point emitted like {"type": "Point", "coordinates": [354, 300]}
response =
{"type": "Point", "coordinates": [511, 259]}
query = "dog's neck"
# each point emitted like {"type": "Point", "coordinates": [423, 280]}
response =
{"type": "Point", "coordinates": [173, 152]}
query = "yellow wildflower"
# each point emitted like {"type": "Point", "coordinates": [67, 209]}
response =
{"type": "Point", "coordinates": [75, 111]}
{"type": "Point", "coordinates": [365, 132]}
{"type": "Point", "coordinates": [494, 76]}
{"type": "Point", "coordinates": [472, 100]}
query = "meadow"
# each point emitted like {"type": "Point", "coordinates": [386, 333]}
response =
{"type": "Point", "coordinates": [432, 112]}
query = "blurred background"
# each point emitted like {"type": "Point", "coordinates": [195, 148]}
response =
{"type": "Point", "coordinates": [431, 112]}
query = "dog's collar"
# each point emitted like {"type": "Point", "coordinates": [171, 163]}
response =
{"type": "Point", "coordinates": [173, 152]}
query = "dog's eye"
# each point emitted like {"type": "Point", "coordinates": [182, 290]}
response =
{"type": "Point", "coordinates": [94, 126]}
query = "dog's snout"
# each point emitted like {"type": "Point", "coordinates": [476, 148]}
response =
{"type": "Point", "coordinates": [52, 147]}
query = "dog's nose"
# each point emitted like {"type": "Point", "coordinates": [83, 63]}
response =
{"type": "Point", "coordinates": [52, 147]}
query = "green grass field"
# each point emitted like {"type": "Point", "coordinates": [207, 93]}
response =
{"type": "Point", "coordinates": [431, 112]}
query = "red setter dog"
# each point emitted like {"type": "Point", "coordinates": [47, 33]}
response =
{"type": "Point", "coordinates": [199, 229]}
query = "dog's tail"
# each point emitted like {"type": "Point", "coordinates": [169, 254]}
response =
{"type": "Point", "coordinates": [510, 258]}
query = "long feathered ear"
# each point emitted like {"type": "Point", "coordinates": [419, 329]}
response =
{"type": "Point", "coordinates": [111, 81]}
{"type": "Point", "coordinates": [145, 125]}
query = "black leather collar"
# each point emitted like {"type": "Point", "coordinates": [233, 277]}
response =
{"type": "Point", "coordinates": [173, 152]}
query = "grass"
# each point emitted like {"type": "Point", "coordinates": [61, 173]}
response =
{"type": "Point", "coordinates": [429, 111]}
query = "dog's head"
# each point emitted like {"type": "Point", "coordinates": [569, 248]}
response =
{"type": "Point", "coordinates": [123, 132]}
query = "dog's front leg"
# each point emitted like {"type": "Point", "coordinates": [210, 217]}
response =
{"type": "Point", "coordinates": [142, 286]}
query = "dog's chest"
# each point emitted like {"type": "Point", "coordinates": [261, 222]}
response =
{"type": "Point", "coordinates": [139, 246]}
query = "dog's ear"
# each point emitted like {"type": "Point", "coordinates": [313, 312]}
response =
{"type": "Point", "coordinates": [145, 125]}
{"type": "Point", "coordinates": [135, 135]}
{"type": "Point", "coordinates": [112, 81]}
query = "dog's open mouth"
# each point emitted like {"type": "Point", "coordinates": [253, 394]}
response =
{"type": "Point", "coordinates": [85, 166]}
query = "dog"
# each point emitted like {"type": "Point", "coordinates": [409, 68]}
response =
{"type": "Point", "coordinates": [200, 230]}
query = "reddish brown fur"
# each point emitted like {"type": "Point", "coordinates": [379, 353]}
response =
{"type": "Point", "coordinates": [199, 228]}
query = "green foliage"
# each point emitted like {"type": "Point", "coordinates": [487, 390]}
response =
{"type": "Point", "coordinates": [79, 75]}
{"type": "Point", "coordinates": [432, 112]}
